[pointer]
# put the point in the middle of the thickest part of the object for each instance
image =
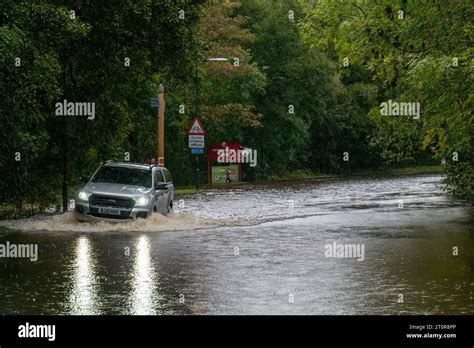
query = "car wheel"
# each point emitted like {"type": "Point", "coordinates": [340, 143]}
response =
{"type": "Point", "coordinates": [170, 207]}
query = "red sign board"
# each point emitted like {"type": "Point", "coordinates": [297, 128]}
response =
{"type": "Point", "coordinates": [214, 148]}
{"type": "Point", "coordinates": [196, 127]}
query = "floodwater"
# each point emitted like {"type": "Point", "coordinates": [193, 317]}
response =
{"type": "Point", "coordinates": [256, 250]}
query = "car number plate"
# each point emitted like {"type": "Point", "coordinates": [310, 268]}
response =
{"type": "Point", "coordinates": [109, 211]}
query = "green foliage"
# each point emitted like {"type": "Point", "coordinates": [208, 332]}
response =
{"type": "Point", "coordinates": [81, 58]}
{"type": "Point", "coordinates": [311, 79]}
{"type": "Point", "coordinates": [413, 51]}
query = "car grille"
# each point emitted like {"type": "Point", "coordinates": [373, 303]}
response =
{"type": "Point", "coordinates": [111, 201]}
{"type": "Point", "coordinates": [96, 201]}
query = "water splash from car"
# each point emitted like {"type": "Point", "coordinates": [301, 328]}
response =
{"type": "Point", "coordinates": [182, 221]}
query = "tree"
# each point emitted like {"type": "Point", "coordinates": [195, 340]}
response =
{"type": "Point", "coordinates": [227, 87]}
{"type": "Point", "coordinates": [79, 51]}
{"type": "Point", "coordinates": [413, 51]}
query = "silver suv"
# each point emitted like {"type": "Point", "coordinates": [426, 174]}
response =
{"type": "Point", "coordinates": [123, 191]}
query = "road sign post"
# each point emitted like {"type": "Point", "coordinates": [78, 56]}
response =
{"type": "Point", "coordinates": [159, 103]}
{"type": "Point", "coordinates": [196, 143]}
{"type": "Point", "coordinates": [161, 126]}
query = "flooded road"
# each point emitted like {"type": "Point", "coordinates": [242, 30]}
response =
{"type": "Point", "coordinates": [257, 250]}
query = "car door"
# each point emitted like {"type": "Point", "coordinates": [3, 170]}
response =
{"type": "Point", "coordinates": [166, 177]}
{"type": "Point", "coordinates": [161, 194]}
{"type": "Point", "coordinates": [169, 182]}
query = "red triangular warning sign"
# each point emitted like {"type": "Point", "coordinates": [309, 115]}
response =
{"type": "Point", "coordinates": [196, 127]}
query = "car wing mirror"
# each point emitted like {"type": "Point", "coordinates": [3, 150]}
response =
{"type": "Point", "coordinates": [161, 186]}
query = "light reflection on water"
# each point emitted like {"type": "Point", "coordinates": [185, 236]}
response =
{"type": "Point", "coordinates": [142, 302]}
{"type": "Point", "coordinates": [84, 294]}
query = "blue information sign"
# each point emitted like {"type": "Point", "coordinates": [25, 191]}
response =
{"type": "Point", "coordinates": [154, 102]}
{"type": "Point", "coordinates": [197, 151]}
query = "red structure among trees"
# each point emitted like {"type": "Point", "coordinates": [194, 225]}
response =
{"type": "Point", "coordinates": [212, 154]}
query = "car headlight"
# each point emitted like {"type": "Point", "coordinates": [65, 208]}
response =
{"type": "Point", "coordinates": [141, 201]}
{"type": "Point", "coordinates": [83, 195]}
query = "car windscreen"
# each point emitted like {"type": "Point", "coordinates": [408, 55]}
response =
{"type": "Point", "coordinates": [122, 175]}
